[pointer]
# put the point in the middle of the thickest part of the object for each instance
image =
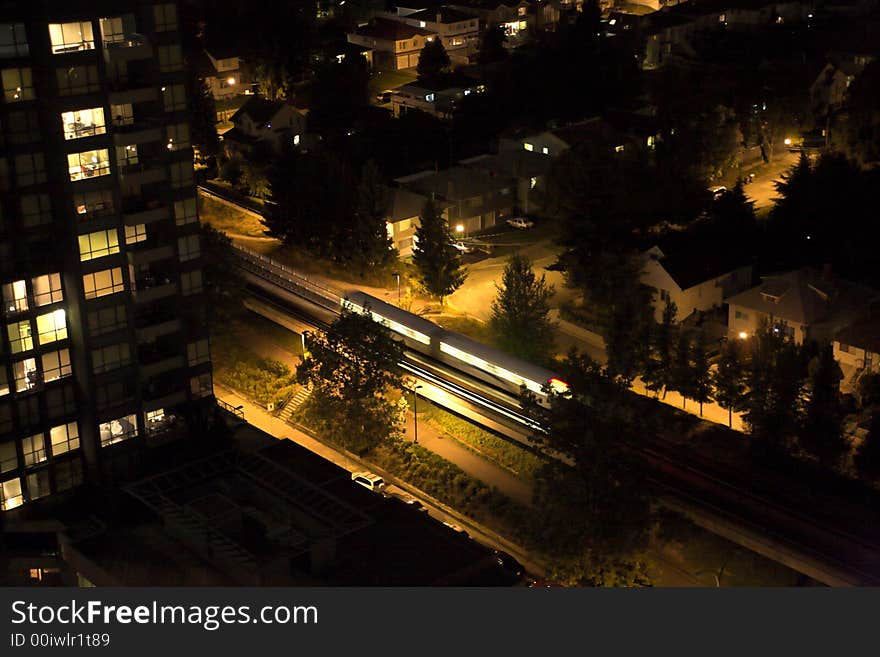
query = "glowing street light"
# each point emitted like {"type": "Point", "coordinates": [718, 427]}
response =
{"type": "Point", "coordinates": [787, 141]}
{"type": "Point", "coordinates": [230, 81]}
{"type": "Point", "coordinates": [743, 335]}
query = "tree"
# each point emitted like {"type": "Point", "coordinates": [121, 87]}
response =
{"type": "Point", "coordinates": [701, 376]}
{"type": "Point", "coordinates": [520, 310]}
{"type": "Point", "coordinates": [682, 371]}
{"type": "Point", "coordinates": [369, 244]}
{"type": "Point", "coordinates": [433, 61]}
{"type": "Point", "coordinates": [659, 364]}
{"type": "Point", "coordinates": [867, 458]}
{"type": "Point", "coordinates": [727, 380]}
{"type": "Point", "coordinates": [863, 123]}
{"type": "Point", "coordinates": [340, 98]}
{"type": "Point", "coordinates": [821, 432]}
{"type": "Point", "coordinates": [492, 46]}
{"type": "Point", "coordinates": [352, 367]}
{"type": "Point", "coordinates": [437, 261]}
{"type": "Point", "coordinates": [273, 80]}
{"type": "Point", "coordinates": [255, 178]}
{"type": "Point", "coordinates": [223, 284]}
{"type": "Point", "coordinates": [202, 117]}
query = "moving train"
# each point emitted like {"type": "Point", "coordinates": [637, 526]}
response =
{"type": "Point", "coordinates": [485, 363]}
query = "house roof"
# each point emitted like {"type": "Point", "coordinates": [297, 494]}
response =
{"type": "Point", "coordinates": [259, 109]}
{"type": "Point", "coordinates": [405, 204]}
{"type": "Point", "coordinates": [389, 30]}
{"type": "Point", "coordinates": [519, 163]}
{"type": "Point", "coordinates": [804, 296]}
{"type": "Point", "coordinates": [447, 15]}
{"type": "Point", "coordinates": [864, 334]}
{"type": "Point", "coordinates": [689, 264]}
{"type": "Point", "coordinates": [455, 183]}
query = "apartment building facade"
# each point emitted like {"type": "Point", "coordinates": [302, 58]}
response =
{"type": "Point", "coordinates": [104, 343]}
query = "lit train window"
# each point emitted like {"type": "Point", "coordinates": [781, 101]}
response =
{"type": "Point", "coordinates": [394, 326]}
{"type": "Point", "coordinates": [489, 367]}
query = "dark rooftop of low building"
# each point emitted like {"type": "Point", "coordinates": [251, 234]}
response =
{"type": "Point", "coordinates": [864, 334]}
{"type": "Point", "coordinates": [446, 14]}
{"type": "Point", "coordinates": [389, 30]}
{"type": "Point", "coordinates": [690, 264]}
{"type": "Point", "coordinates": [259, 109]}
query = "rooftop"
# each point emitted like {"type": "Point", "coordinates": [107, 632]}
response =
{"type": "Point", "coordinates": [454, 184]}
{"type": "Point", "coordinates": [690, 265]}
{"type": "Point", "coordinates": [258, 109]}
{"type": "Point", "coordinates": [864, 334]}
{"type": "Point", "coordinates": [518, 163]}
{"type": "Point", "coordinates": [389, 30]}
{"type": "Point", "coordinates": [447, 15]}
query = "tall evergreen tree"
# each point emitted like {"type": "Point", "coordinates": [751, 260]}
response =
{"type": "Point", "coordinates": [821, 432]}
{"type": "Point", "coordinates": [437, 261]}
{"type": "Point", "coordinates": [727, 380]}
{"type": "Point", "coordinates": [682, 372]}
{"type": "Point", "coordinates": [433, 61]}
{"type": "Point", "coordinates": [659, 365]}
{"type": "Point", "coordinates": [369, 245]}
{"type": "Point", "coordinates": [701, 375]}
{"type": "Point", "coordinates": [202, 117]}
{"type": "Point", "coordinates": [520, 310]}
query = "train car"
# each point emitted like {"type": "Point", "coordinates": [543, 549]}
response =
{"type": "Point", "coordinates": [493, 366]}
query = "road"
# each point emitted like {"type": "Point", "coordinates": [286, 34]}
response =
{"type": "Point", "coordinates": [762, 189]}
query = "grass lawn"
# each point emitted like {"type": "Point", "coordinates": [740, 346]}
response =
{"type": "Point", "coordinates": [472, 328]}
{"type": "Point", "coordinates": [228, 219]}
{"type": "Point", "coordinates": [382, 80]}
{"type": "Point", "coordinates": [306, 263]}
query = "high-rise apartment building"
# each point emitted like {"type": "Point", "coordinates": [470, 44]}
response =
{"type": "Point", "coordinates": [104, 341]}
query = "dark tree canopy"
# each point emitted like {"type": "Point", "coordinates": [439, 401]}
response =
{"type": "Point", "coordinates": [821, 432]}
{"type": "Point", "coordinates": [492, 46]}
{"type": "Point", "coordinates": [520, 311]}
{"type": "Point", "coordinates": [728, 379]}
{"type": "Point", "coordinates": [437, 262]}
{"type": "Point", "coordinates": [433, 61]}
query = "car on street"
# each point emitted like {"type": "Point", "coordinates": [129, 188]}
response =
{"type": "Point", "coordinates": [717, 192]}
{"type": "Point", "coordinates": [462, 247]}
{"type": "Point", "coordinates": [508, 563]}
{"type": "Point", "coordinates": [368, 480]}
{"type": "Point", "coordinates": [384, 97]}
{"type": "Point", "coordinates": [520, 222]}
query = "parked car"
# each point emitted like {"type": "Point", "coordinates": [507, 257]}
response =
{"type": "Point", "coordinates": [520, 222]}
{"type": "Point", "coordinates": [462, 247]}
{"type": "Point", "coordinates": [368, 480]}
{"type": "Point", "coordinates": [508, 563]}
{"type": "Point", "coordinates": [384, 97]}
{"type": "Point", "coordinates": [717, 192]}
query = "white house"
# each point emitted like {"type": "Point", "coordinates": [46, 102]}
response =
{"type": "Point", "coordinates": [267, 124]}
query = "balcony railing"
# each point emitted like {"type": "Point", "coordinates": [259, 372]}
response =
{"type": "Point", "coordinates": [127, 41]}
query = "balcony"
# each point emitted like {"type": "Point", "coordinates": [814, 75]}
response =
{"type": "Point", "coordinates": [142, 173]}
{"type": "Point", "coordinates": [123, 92]}
{"type": "Point", "coordinates": [159, 432]}
{"type": "Point", "coordinates": [161, 366]}
{"type": "Point", "coordinates": [137, 210]}
{"type": "Point", "coordinates": [140, 132]}
{"type": "Point", "coordinates": [151, 287]}
{"type": "Point", "coordinates": [127, 47]}
{"type": "Point", "coordinates": [157, 325]}
{"type": "Point", "coordinates": [144, 253]}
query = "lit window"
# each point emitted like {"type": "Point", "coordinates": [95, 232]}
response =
{"type": "Point", "coordinates": [166, 17]}
{"type": "Point", "coordinates": [56, 365]}
{"type": "Point", "coordinates": [112, 31]}
{"type": "Point", "coordinates": [191, 282]}
{"type": "Point", "coordinates": [52, 326]}
{"type": "Point", "coordinates": [126, 156]}
{"type": "Point", "coordinates": [10, 494]}
{"type": "Point", "coordinates": [110, 357]}
{"type": "Point", "coordinates": [532, 182]}
{"type": "Point", "coordinates": [30, 169]}
{"type": "Point", "coordinates": [200, 386]}
{"type": "Point", "coordinates": [25, 374]}
{"type": "Point", "coordinates": [83, 123]}
{"type": "Point", "coordinates": [34, 449]}
{"type": "Point", "coordinates": [117, 430]}
{"type": "Point", "coordinates": [155, 416]}
{"type": "Point", "coordinates": [98, 244]}
{"type": "Point", "coordinates": [528, 147]}
{"type": "Point", "coordinates": [188, 247]}
{"type": "Point", "coordinates": [8, 457]}
{"type": "Point", "coordinates": [35, 210]}
{"type": "Point", "coordinates": [88, 164]}
{"type": "Point", "coordinates": [134, 234]}
{"type": "Point", "coordinates": [47, 289]}
{"type": "Point", "coordinates": [13, 41]}
{"type": "Point", "coordinates": [429, 98]}
{"type": "Point", "coordinates": [69, 37]}
{"type": "Point", "coordinates": [618, 149]}
{"type": "Point", "coordinates": [545, 150]}
{"type": "Point", "coordinates": [185, 211]}
{"type": "Point", "coordinates": [177, 137]}
{"type": "Point", "coordinates": [94, 204]}
{"type": "Point", "coordinates": [122, 114]}
{"type": "Point", "coordinates": [20, 337]}
{"type": "Point", "coordinates": [197, 352]}
{"type": "Point", "coordinates": [77, 80]}
{"type": "Point", "coordinates": [15, 297]}
{"type": "Point", "coordinates": [174, 97]}
{"type": "Point", "coordinates": [18, 84]}
{"type": "Point", "coordinates": [102, 283]}
{"type": "Point", "coordinates": [296, 140]}
{"type": "Point", "coordinates": [4, 390]}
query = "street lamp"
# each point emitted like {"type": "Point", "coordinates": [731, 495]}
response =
{"type": "Point", "coordinates": [398, 289]}
{"type": "Point", "coordinates": [415, 415]}
{"type": "Point", "coordinates": [459, 228]}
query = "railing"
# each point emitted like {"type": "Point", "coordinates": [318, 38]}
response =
{"type": "Point", "coordinates": [237, 411]}
{"type": "Point", "coordinates": [128, 41]}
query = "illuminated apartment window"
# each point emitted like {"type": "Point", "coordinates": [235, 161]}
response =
{"type": "Point", "coordinates": [185, 211]}
{"type": "Point", "coordinates": [110, 357]}
{"type": "Point", "coordinates": [102, 283]}
{"type": "Point", "coordinates": [13, 40]}
{"type": "Point", "coordinates": [177, 137]}
{"type": "Point", "coordinates": [47, 289]}
{"type": "Point", "coordinates": [174, 97]}
{"type": "Point", "coordinates": [528, 147]}
{"type": "Point", "coordinates": [545, 150]}
{"type": "Point", "coordinates": [532, 182]}
{"type": "Point", "coordinates": [112, 31]}
{"type": "Point", "coordinates": [116, 431]}
{"type": "Point", "coordinates": [64, 438]}
{"type": "Point", "coordinates": [200, 386]}
{"type": "Point", "coordinates": [122, 114]}
{"type": "Point", "coordinates": [106, 320]}
{"type": "Point", "coordinates": [15, 297]}
{"type": "Point", "coordinates": [30, 169]}
{"type": "Point", "coordinates": [618, 149]}
{"type": "Point", "coordinates": [126, 156]}
{"type": "Point", "coordinates": [33, 449]}
{"type": "Point", "coordinates": [4, 383]}
{"type": "Point", "coordinates": [77, 80]}
{"type": "Point", "coordinates": [154, 416]}
{"type": "Point", "coordinates": [191, 282]}
{"type": "Point", "coordinates": [8, 457]}
{"type": "Point", "coordinates": [52, 326]}
{"type": "Point", "coordinates": [36, 210]}
{"type": "Point", "coordinates": [98, 203]}
{"type": "Point", "coordinates": [56, 365]}
{"type": "Point", "coordinates": [134, 234]}
{"type": "Point", "coordinates": [70, 37]}
{"type": "Point", "coordinates": [88, 164]}
{"type": "Point", "coordinates": [197, 352]}
{"type": "Point", "coordinates": [10, 494]}
{"type": "Point", "coordinates": [20, 336]}
{"type": "Point", "coordinates": [83, 123]}
{"type": "Point", "coordinates": [170, 58]}
{"type": "Point", "coordinates": [166, 17]}
{"type": "Point", "coordinates": [18, 84]}
{"type": "Point", "coordinates": [25, 374]}
{"type": "Point", "coordinates": [188, 247]}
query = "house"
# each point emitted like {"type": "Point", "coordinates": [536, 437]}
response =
{"type": "Point", "coordinates": [696, 280]}
{"type": "Point", "coordinates": [805, 304]}
{"type": "Point", "coordinates": [459, 31]}
{"type": "Point", "coordinates": [395, 45]}
{"type": "Point", "coordinates": [403, 219]}
{"type": "Point", "coordinates": [224, 75]}
{"type": "Point", "coordinates": [266, 125]}
{"type": "Point", "coordinates": [474, 199]}
{"type": "Point", "coordinates": [517, 19]}
{"type": "Point", "coordinates": [857, 349]}
{"type": "Point", "coordinates": [438, 100]}
{"type": "Point", "coordinates": [592, 134]}
{"type": "Point", "coordinates": [527, 172]}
